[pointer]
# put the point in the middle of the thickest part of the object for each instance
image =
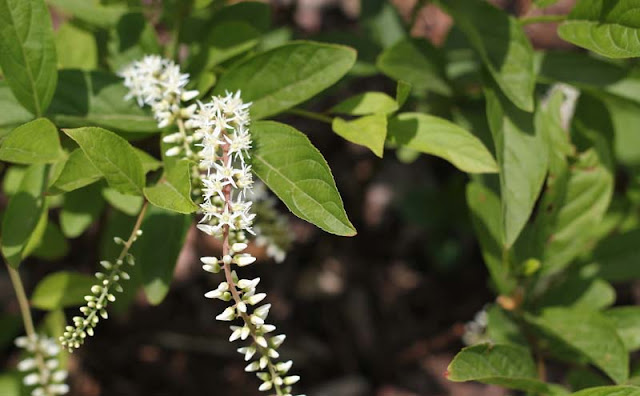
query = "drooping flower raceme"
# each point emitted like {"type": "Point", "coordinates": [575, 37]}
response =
{"type": "Point", "coordinates": [101, 295]}
{"type": "Point", "coordinates": [216, 136]}
{"type": "Point", "coordinates": [226, 179]}
{"type": "Point", "coordinates": [159, 83]}
{"type": "Point", "coordinates": [41, 366]}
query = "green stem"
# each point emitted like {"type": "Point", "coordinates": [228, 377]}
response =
{"type": "Point", "coordinates": [23, 302]}
{"type": "Point", "coordinates": [311, 115]}
{"type": "Point", "coordinates": [25, 312]}
{"type": "Point", "coordinates": [541, 19]}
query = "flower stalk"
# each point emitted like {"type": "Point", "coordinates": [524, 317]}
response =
{"type": "Point", "coordinates": [42, 361]}
{"type": "Point", "coordinates": [102, 293]}
{"type": "Point", "coordinates": [215, 136]}
{"type": "Point", "coordinates": [227, 178]}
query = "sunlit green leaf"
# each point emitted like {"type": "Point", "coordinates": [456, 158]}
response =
{"type": "Point", "coordinates": [595, 338]}
{"type": "Point", "coordinates": [609, 28]}
{"type": "Point", "coordinates": [505, 365]}
{"type": "Point", "coordinates": [35, 142]}
{"type": "Point", "coordinates": [61, 289]}
{"type": "Point", "coordinates": [77, 172]}
{"type": "Point", "coordinates": [283, 77]}
{"type": "Point", "coordinates": [369, 131]}
{"type": "Point", "coordinates": [296, 172]}
{"type": "Point", "coordinates": [486, 215]}
{"type": "Point", "coordinates": [522, 158]}
{"type": "Point", "coordinates": [113, 156]}
{"type": "Point", "coordinates": [444, 139]}
{"type": "Point", "coordinates": [173, 191]}
{"type": "Point", "coordinates": [76, 48]}
{"type": "Point", "coordinates": [128, 204]}
{"type": "Point", "coordinates": [503, 46]}
{"type": "Point", "coordinates": [366, 103]}
{"type": "Point", "coordinates": [28, 52]}
{"type": "Point", "coordinates": [626, 320]}
{"type": "Point", "coordinates": [417, 62]}
{"type": "Point", "coordinates": [23, 213]}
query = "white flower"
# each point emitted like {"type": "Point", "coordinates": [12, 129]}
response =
{"type": "Point", "coordinates": [46, 381]}
{"type": "Point", "coordinates": [223, 132]}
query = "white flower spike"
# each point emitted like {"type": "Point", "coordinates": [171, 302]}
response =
{"type": "Point", "coordinates": [40, 366]}
{"type": "Point", "coordinates": [226, 213]}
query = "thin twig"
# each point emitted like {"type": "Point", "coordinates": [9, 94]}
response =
{"type": "Point", "coordinates": [311, 115]}
{"type": "Point", "coordinates": [542, 19]}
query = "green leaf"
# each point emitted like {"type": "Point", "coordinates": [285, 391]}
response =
{"type": "Point", "coordinates": [61, 289]}
{"type": "Point", "coordinates": [97, 99]}
{"type": "Point", "coordinates": [617, 256]}
{"type": "Point", "coordinates": [502, 327]}
{"type": "Point", "coordinates": [382, 22]}
{"type": "Point", "coordinates": [417, 62]}
{"type": "Point", "coordinates": [91, 11]}
{"type": "Point", "coordinates": [52, 244]}
{"type": "Point", "coordinates": [130, 40]}
{"type": "Point", "coordinates": [78, 172]}
{"type": "Point", "coordinates": [574, 203]}
{"type": "Point", "coordinates": [609, 391]}
{"type": "Point", "coordinates": [509, 366]}
{"type": "Point", "coordinates": [286, 161]}
{"type": "Point", "coordinates": [11, 385]}
{"type": "Point", "coordinates": [442, 138]}
{"type": "Point", "coordinates": [28, 52]}
{"type": "Point", "coordinates": [590, 334]}
{"type": "Point", "coordinates": [402, 92]}
{"type": "Point", "coordinates": [503, 46]}
{"type": "Point", "coordinates": [369, 131]}
{"type": "Point", "coordinates": [578, 290]}
{"type": "Point", "coordinates": [35, 142]}
{"type": "Point", "coordinates": [36, 236]}
{"type": "Point", "coordinates": [220, 46]}
{"type": "Point", "coordinates": [283, 77]}
{"type": "Point", "coordinates": [486, 215]}
{"type": "Point", "coordinates": [127, 204]}
{"type": "Point", "coordinates": [609, 28]}
{"type": "Point", "coordinates": [13, 114]}
{"type": "Point", "coordinates": [158, 249]}
{"type": "Point", "coordinates": [580, 69]}
{"type": "Point", "coordinates": [250, 12]}
{"type": "Point", "coordinates": [173, 191]}
{"type": "Point", "coordinates": [585, 377]}
{"type": "Point", "coordinates": [522, 156]}
{"type": "Point", "coordinates": [625, 114]}
{"type": "Point", "coordinates": [366, 103]}
{"type": "Point", "coordinates": [53, 325]}
{"type": "Point", "coordinates": [113, 156]}
{"type": "Point", "coordinates": [76, 48]}
{"type": "Point", "coordinates": [12, 179]}
{"type": "Point", "coordinates": [626, 320]}
{"type": "Point", "coordinates": [81, 208]}
{"type": "Point", "coordinates": [23, 213]}
{"type": "Point", "coordinates": [149, 162]}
